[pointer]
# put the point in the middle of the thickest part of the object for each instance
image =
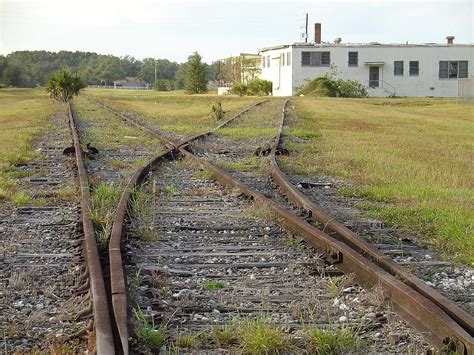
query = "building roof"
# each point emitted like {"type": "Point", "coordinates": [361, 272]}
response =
{"type": "Point", "coordinates": [361, 45]}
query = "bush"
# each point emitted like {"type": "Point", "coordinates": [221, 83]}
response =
{"type": "Point", "coordinates": [216, 111]}
{"type": "Point", "coordinates": [259, 87]}
{"type": "Point", "coordinates": [322, 86]}
{"type": "Point", "coordinates": [239, 89]}
{"type": "Point", "coordinates": [64, 84]}
{"type": "Point", "coordinates": [255, 87]}
{"type": "Point", "coordinates": [163, 85]}
{"type": "Point", "coordinates": [329, 85]}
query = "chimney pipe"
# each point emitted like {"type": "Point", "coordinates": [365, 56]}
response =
{"type": "Point", "coordinates": [317, 33]}
{"type": "Point", "coordinates": [450, 39]}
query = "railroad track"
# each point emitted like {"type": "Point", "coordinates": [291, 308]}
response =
{"type": "Point", "coordinates": [440, 319]}
{"type": "Point", "coordinates": [210, 243]}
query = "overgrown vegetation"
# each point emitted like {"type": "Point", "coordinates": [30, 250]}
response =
{"type": "Point", "coordinates": [331, 341]}
{"type": "Point", "coordinates": [259, 336]}
{"type": "Point", "coordinates": [217, 113]}
{"type": "Point", "coordinates": [213, 285]}
{"type": "Point", "coordinates": [64, 84]}
{"type": "Point", "coordinates": [147, 331]}
{"type": "Point", "coordinates": [255, 87]}
{"type": "Point", "coordinates": [331, 86]}
{"type": "Point", "coordinates": [410, 158]}
{"type": "Point", "coordinates": [104, 198]}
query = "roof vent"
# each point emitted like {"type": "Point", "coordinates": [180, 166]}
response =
{"type": "Point", "coordinates": [338, 40]}
{"type": "Point", "coordinates": [450, 39]}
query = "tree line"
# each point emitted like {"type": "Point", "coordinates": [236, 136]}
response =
{"type": "Point", "coordinates": [33, 68]}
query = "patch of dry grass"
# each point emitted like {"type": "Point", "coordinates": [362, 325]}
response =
{"type": "Point", "coordinates": [414, 155]}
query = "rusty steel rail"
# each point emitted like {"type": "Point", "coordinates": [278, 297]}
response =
{"type": "Point", "coordinates": [117, 277]}
{"type": "Point", "coordinates": [344, 234]}
{"type": "Point", "coordinates": [420, 311]}
{"type": "Point", "coordinates": [104, 340]}
{"type": "Point", "coordinates": [425, 314]}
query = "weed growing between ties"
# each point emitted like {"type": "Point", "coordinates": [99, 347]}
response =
{"type": "Point", "coordinates": [142, 209]}
{"type": "Point", "coordinates": [213, 285]}
{"type": "Point", "coordinates": [104, 199]}
{"type": "Point", "coordinates": [331, 341]}
{"type": "Point", "coordinates": [147, 331]}
{"type": "Point", "coordinates": [261, 337]}
{"type": "Point", "coordinates": [259, 211]}
{"type": "Point", "coordinates": [260, 165]}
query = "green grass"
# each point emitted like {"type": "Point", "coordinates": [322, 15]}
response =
{"type": "Point", "coordinates": [23, 116]}
{"type": "Point", "coordinates": [172, 111]}
{"type": "Point", "coordinates": [147, 331]}
{"type": "Point", "coordinates": [412, 158]}
{"type": "Point", "coordinates": [213, 285]}
{"type": "Point", "coordinates": [261, 337]}
{"type": "Point", "coordinates": [104, 199]}
{"type": "Point", "coordinates": [331, 341]}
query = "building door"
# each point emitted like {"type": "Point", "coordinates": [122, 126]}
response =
{"type": "Point", "coordinates": [374, 77]}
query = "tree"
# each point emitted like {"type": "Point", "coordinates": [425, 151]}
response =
{"type": "Point", "coordinates": [195, 81]}
{"type": "Point", "coordinates": [64, 84]}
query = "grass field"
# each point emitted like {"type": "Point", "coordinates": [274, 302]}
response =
{"type": "Point", "coordinates": [413, 158]}
{"type": "Point", "coordinates": [23, 115]}
{"type": "Point", "coordinates": [172, 111]}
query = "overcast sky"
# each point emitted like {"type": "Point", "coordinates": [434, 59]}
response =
{"type": "Point", "coordinates": [218, 28]}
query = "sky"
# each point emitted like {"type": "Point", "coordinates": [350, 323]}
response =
{"type": "Point", "coordinates": [220, 28]}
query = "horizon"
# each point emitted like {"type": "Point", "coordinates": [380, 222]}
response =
{"type": "Point", "coordinates": [123, 27]}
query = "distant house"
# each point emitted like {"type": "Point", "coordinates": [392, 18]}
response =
{"type": "Point", "coordinates": [131, 83]}
{"type": "Point", "coordinates": [428, 69]}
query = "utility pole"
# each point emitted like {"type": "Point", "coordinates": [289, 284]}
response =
{"type": "Point", "coordinates": [306, 29]}
{"type": "Point", "coordinates": [156, 70]}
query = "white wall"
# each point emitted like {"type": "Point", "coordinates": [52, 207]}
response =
{"type": "Point", "coordinates": [280, 75]}
{"type": "Point", "coordinates": [406, 85]}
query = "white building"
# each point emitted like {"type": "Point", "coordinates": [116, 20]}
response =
{"type": "Point", "coordinates": [386, 69]}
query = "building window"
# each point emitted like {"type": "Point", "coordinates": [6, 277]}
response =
{"type": "Point", "coordinates": [315, 59]}
{"type": "Point", "coordinates": [398, 68]}
{"type": "Point", "coordinates": [268, 61]}
{"type": "Point", "coordinates": [353, 59]}
{"type": "Point", "coordinates": [263, 62]}
{"type": "Point", "coordinates": [462, 69]}
{"type": "Point", "coordinates": [453, 69]}
{"type": "Point", "coordinates": [288, 58]}
{"type": "Point", "coordinates": [282, 59]}
{"type": "Point", "coordinates": [414, 68]}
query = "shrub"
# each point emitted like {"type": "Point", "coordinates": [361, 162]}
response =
{"type": "Point", "coordinates": [64, 84]}
{"type": "Point", "coordinates": [330, 85]}
{"type": "Point", "coordinates": [254, 87]}
{"type": "Point", "coordinates": [259, 87]}
{"type": "Point", "coordinates": [239, 89]}
{"type": "Point", "coordinates": [217, 113]}
{"type": "Point", "coordinates": [163, 85]}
